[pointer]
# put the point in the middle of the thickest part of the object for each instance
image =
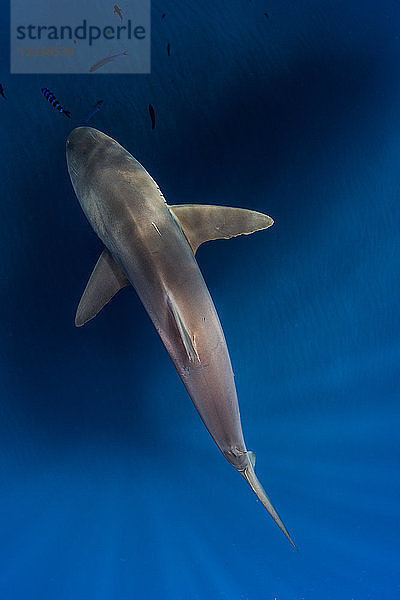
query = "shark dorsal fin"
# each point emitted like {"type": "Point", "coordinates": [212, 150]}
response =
{"type": "Point", "coordinates": [184, 335]}
{"type": "Point", "coordinates": [105, 281]}
{"type": "Point", "coordinates": [202, 223]}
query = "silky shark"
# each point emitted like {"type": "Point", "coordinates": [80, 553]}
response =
{"type": "Point", "coordinates": [151, 245]}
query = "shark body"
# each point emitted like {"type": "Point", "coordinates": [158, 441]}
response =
{"type": "Point", "coordinates": [152, 247]}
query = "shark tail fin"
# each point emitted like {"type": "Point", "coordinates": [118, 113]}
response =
{"type": "Point", "coordinates": [251, 478]}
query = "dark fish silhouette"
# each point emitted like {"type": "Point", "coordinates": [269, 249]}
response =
{"type": "Point", "coordinates": [2, 92]}
{"type": "Point", "coordinates": [152, 116]}
{"type": "Point", "coordinates": [169, 49]}
{"type": "Point", "coordinates": [106, 60]}
{"type": "Point", "coordinates": [117, 11]}
{"type": "Point", "coordinates": [163, 16]}
{"type": "Point", "coordinates": [266, 15]}
{"type": "Point", "coordinates": [53, 100]}
{"type": "Point", "coordinates": [95, 109]}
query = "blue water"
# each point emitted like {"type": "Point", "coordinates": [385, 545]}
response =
{"type": "Point", "coordinates": [111, 488]}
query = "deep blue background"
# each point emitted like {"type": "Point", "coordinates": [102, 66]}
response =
{"type": "Point", "coordinates": [111, 487]}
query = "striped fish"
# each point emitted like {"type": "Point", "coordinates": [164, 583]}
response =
{"type": "Point", "coordinates": [53, 100]}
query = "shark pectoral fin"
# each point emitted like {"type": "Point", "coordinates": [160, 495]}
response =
{"type": "Point", "coordinates": [105, 281]}
{"type": "Point", "coordinates": [183, 332]}
{"type": "Point", "coordinates": [202, 223]}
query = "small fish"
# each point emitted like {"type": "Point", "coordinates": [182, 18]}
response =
{"type": "Point", "coordinates": [169, 49]}
{"type": "Point", "coordinates": [163, 16]}
{"type": "Point", "coordinates": [266, 15]}
{"type": "Point", "coordinates": [106, 60]}
{"type": "Point", "coordinates": [117, 11]}
{"type": "Point", "coordinates": [2, 92]}
{"type": "Point", "coordinates": [94, 110]}
{"type": "Point", "coordinates": [152, 116]}
{"type": "Point", "coordinates": [53, 100]}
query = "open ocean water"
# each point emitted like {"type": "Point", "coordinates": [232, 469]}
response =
{"type": "Point", "coordinates": [110, 486]}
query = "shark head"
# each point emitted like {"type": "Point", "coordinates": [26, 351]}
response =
{"type": "Point", "coordinates": [83, 149]}
{"type": "Point", "coordinates": [95, 164]}
{"type": "Point", "coordinates": [104, 175]}
{"type": "Point", "coordinates": [87, 161]}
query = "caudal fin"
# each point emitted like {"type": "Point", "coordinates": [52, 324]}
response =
{"type": "Point", "coordinates": [251, 478]}
{"type": "Point", "coordinates": [67, 113]}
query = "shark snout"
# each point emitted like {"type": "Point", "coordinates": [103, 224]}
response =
{"type": "Point", "coordinates": [82, 148]}
{"type": "Point", "coordinates": [82, 139]}
{"type": "Point", "coordinates": [78, 147]}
